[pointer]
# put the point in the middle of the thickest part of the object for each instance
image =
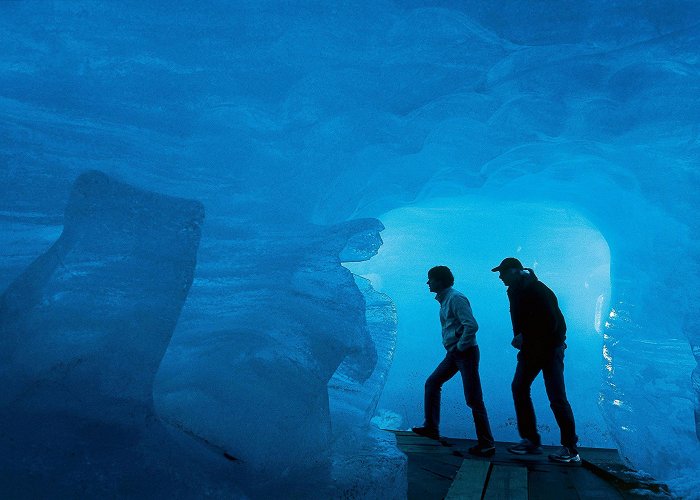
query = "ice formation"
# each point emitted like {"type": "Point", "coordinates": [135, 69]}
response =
{"type": "Point", "coordinates": [567, 252]}
{"type": "Point", "coordinates": [83, 331]}
{"type": "Point", "coordinates": [296, 128]}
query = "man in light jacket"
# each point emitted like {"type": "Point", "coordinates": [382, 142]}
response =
{"type": "Point", "coordinates": [459, 339]}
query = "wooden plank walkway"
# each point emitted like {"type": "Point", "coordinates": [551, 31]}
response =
{"type": "Point", "coordinates": [470, 480]}
{"type": "Point", "coordinates": [444, 470]}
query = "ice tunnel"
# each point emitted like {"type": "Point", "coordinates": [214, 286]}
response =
{"type": "Point", "coordinates": [465, 233]}
{"type": "Point", "coordinates": [186, 187]}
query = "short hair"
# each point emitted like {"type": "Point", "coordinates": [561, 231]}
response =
{"type": "Point", "coordinates": [443, 274]}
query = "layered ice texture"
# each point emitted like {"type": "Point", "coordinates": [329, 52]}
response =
{"type": "Point", "coordinates": [180, 183]}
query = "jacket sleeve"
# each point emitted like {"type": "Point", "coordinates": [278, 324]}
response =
{"type": "Point", "coordinates": [463, 312]}
{"type": "Point", "coordinates": [513, 319]}
{"type": "Point", "coordinates": [513, 322]}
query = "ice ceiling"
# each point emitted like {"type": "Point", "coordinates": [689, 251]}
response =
{"type": "Point", "coordinates": [287, 121]}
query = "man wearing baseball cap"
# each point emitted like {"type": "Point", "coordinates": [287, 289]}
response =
{"type": "Point", "coordinates": [539, 331]}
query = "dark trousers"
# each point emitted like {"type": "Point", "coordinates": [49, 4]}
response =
{"type": "Point", "coordinates": [552, 367]}
{"type": "Point", "coordinates": [467, 364]}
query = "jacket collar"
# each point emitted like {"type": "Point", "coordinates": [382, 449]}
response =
{"type": "Point", "coordinates": [442, 294]}
{"type": "Point", "coordinates": [525, 281]}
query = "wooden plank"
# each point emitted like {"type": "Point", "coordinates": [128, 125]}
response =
{"type": "Point", "coordinates": [412, 448]}
{"type": "Point", "coordinates": [626, 479]}
{"type": "Point", "coordinates": [417, 440]}
{"type": "Point", "coordinates": [415, 436]}
{"type": "Point", "coordinates": [422, 445]}
{"type": "Point", "coordinates": [422, 440]}
{"type": "Point", "coordinates": [600, 455]}
{"type": "Point", "coordinates": [469, 481]}
{"type": "Point", "coordinates": [550, 483]}
{"type": "Point", "coordinates": [440, 468]}
{"type": "Point", "coordinates": [591, 487]}
{"type": "Point", "coordinates": [507, 482]}
{"type": "Point", "coordinates": [431, 467]}
{"type": "Point", "coordinates": [402, 433]}
{"type": "Point", "coordinates": [429, 479]}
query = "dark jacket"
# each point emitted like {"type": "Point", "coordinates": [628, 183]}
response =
{"type": "Point", "coordinates": [535, 314]}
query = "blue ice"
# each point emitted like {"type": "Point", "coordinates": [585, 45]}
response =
{"type": "Point", "coordinates": [186, 190]}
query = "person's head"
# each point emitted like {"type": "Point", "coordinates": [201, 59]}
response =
{"type": "Point", "coordinates": [439, 278]}
{"type": "Point", "coordinates": [509, 270]}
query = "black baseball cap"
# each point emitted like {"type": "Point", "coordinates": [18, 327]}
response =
{"type": "Point", "coordinates": [508, 263]}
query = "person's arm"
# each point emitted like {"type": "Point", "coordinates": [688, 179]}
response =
{"type": "Point", "coordinates": [463, 312]}
{"type": "Point", "coordinates": [513, 321]}
{"type": "Point", "coordinates": [517, 341]}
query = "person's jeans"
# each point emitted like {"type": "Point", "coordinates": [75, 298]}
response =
{"type": "Point", "coordinates": [467, 363]}
{"type": "Point", "coordinates": [552, 367]}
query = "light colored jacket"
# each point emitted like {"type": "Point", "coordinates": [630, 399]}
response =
{"type": "Point", "coordinates": [458, 324]}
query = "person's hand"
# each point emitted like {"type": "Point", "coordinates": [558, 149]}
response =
{"type": "Point", "coordinates": [517, 341]}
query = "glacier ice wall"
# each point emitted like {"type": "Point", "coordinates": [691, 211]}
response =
{"type": "Point", "coordinates": [263, 335]}
{"type": "Point", "coordinates": [82, 332]}
{"type": "Point", "coordinates": [279, 118]}
{"type": "Point", "coordinates": [87, 325]}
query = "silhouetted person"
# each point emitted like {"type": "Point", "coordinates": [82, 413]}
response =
{"type": "Point", "coordinates": [459, 338]}
{"type": "Point", "coordinates": [539, 331]}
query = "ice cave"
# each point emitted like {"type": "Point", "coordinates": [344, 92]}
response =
{"type": "Point", "coordinates": [216, 220]}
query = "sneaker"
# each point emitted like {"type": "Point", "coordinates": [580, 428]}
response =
{"type": "Point", "coordinates": [481, 450]}
{"type": "Point", "coordinates": [565, 456]}
{"type": "Point", "coordinates": [427, 432]}
{"type": "Point", "coordinates": [525, 447]}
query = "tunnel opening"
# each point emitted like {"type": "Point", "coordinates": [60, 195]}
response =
{"type": "Point", "coordinates": [471, 236]}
